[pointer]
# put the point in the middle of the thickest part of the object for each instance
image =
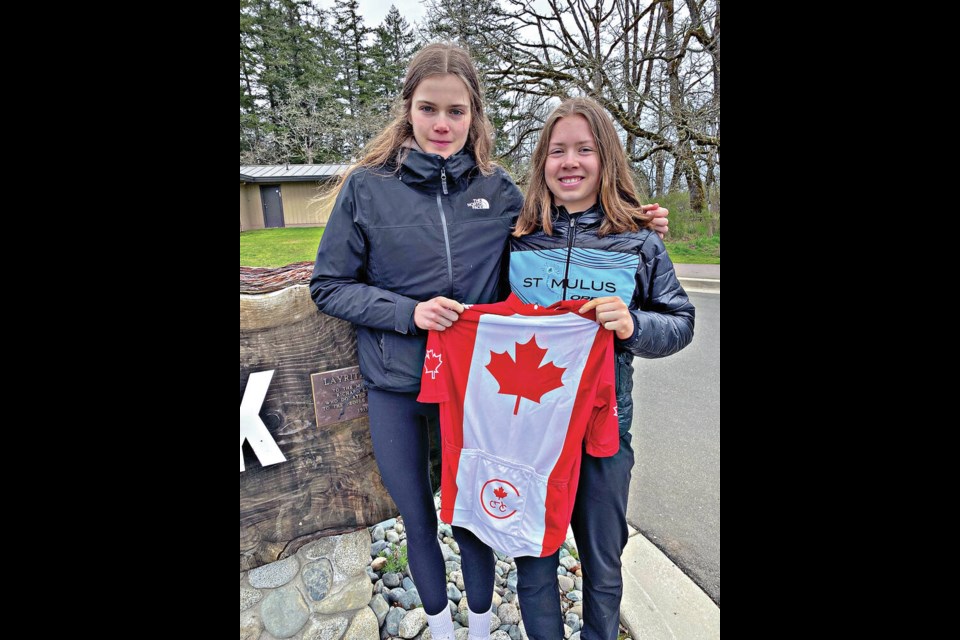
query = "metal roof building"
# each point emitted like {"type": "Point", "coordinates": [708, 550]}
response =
{"type": "Point", "coordinates": [283, 195]}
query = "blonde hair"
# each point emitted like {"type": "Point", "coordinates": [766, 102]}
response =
{"type": "Point", "coordinates": [618, 195]}
{"type": "Point", "coordinates": [433, 60]}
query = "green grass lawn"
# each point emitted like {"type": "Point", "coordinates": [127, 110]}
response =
{"type": "Point", "coordinates": [702, 250]}
{"type": "Point", "coordinates": [278, 247]}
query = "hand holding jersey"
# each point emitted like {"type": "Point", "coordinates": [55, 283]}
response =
{"type": "Point", "coordinates": [612, 314]}
{"type": "Point", "coordinates": [437, 314]}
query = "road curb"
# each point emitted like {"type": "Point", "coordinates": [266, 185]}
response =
{"type": "Point", "coordinates": [659, 601]}
{"type": "Point", "coordinates": [700, 285]}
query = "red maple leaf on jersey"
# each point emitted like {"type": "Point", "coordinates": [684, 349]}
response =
{"type": "Point", "coordinates": [525, 378]}
{"type": "Point", "coordinates": [500, 493]}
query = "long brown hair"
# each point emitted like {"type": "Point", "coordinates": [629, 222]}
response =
{"type": "Point", "coordinates": [433, 60]}
{"type": "Point", "coordinates": [618, 195]}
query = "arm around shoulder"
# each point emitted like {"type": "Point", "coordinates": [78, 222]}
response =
{"type": "Point", "coordinates": [664, 316]}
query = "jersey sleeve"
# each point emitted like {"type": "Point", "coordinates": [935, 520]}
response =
{"type": "Point", "coordinates": [603, 433]}
{"type": "Point", "coordinates": [434, 386]}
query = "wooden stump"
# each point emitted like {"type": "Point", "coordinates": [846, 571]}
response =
{"type": "Point", "coordinates": [329, 483]}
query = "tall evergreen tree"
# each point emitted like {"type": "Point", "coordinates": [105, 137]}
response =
{"type": "Point", "coordinates": [352, 65]}
{"type": "Point", "coordinates": [394, 44]}
{"type": "Point", "coordinates": [351, 35]}
{"type": "Point", "coordinates": [279, 49]}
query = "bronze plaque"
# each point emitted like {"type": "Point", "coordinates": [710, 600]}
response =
{"type": "Point", "coordinates": [338, 395]}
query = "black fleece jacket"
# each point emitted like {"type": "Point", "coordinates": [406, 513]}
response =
{"type": "Point", "coordinates": [398, 237]}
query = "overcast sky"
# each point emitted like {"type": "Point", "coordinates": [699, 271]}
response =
{"type": "Point", "coordinates": [374, 11]}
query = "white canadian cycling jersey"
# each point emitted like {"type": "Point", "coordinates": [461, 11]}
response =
{"type": "Point", "coordinates": [521, 389]}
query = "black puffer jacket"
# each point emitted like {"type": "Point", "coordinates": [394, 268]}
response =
{"type": "Point", "coordinates": [575, 263]}
{"type": "Point", "coordinates": [436, 227]}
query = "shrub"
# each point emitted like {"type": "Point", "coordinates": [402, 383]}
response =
{"type": "Point", "coordinates": [396, 560]}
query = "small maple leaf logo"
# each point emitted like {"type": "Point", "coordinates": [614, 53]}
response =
{"type": "Point", "coordinates": [504, 501]}
{"type": "Point", "coordinates": [525, 378]}
{"type": "Point", "coordinates": [433, 360]}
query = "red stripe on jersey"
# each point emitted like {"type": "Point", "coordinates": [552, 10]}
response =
{"type": "Point", "coordinates": [593, 410]}
{"type": "Point", "coordinates": [452, 373]}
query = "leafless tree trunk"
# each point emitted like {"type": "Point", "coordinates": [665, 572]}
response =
{"type": "Point", "coordinates": [683, 150]}
{"type": "Point", "coordinates": [644, 63]}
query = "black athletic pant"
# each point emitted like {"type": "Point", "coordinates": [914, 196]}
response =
{"type": "Point", "coordinates": [401, 444]}
{"type": "Point", "coordinates": [600, 527]}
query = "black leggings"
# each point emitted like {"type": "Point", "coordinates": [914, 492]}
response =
{"type": "Point", "coordinates": [401, 444]}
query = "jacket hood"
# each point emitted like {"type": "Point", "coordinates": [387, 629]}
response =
{"type": "Point", "coordinates": [423, 169]}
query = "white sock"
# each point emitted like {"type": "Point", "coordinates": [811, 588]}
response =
{"type": "Point", "coordinates": [441, 625]}
{"type": "Point", "coordinates": [479, 624]}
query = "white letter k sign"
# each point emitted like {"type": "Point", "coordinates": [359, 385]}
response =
{"type": "Point", "coordinates": [252, 427]}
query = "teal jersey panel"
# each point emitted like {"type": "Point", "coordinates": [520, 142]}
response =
{"type": "Point", "coordinates": [538, 276]}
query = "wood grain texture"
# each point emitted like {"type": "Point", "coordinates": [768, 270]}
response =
{"type": "Point", "coordinates": [329, 483]}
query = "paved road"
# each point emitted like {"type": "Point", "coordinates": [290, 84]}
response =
{"type": "Point", "coordinates": [675, 491]}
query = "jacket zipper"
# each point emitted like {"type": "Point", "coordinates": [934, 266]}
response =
{"type": "Point", "coordinates": [443, 222]}
{"type": "Point", "coordinates": [566, 270]}
{"type": "Point", "coordinates": [617, 363]}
